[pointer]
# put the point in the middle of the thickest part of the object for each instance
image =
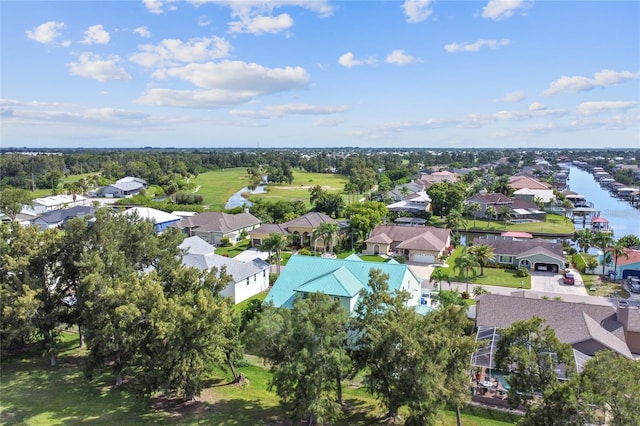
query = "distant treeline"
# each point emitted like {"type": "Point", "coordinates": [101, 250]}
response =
{"type": "Point", "coordinates": [45, 169]}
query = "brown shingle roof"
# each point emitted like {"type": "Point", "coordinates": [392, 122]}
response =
{"type": "Point", "coordinates": [310, 220]}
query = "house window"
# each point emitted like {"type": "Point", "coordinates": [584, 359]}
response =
{"type": "Point", "coordinates": [247, 281]}
{"type": "Point", "coordinates": [255, 278]}
{"type": "Point", "coordinates": [336, 298]}
{"type": "Point", "coordinates": [264, 273]}
{"type": "Point", "coordinates": [505, 259]}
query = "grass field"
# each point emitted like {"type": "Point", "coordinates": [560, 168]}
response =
{"type": "Point", "coordinates": [34, 394]}
{"type": "Point", "coordinates": [492, 276]}
{"type": "Point", "coordinates": [299, 189]}
{"type": "Point", "coordinates": [555, 224]}
{"type": "Point", "coordinates": [217, 186]}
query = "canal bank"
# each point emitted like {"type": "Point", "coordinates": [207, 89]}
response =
{"type": "Point", "coordinates": [623, 218]}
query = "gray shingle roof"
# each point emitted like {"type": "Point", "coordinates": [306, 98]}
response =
{"type": "Point", "coordinates": [219, 222]}
{"type": "Point", "coordinates": [572, 322]}
{"type": "Point", "coordinates": [58, 216]}
{"type": "Point", "coordinates": [238, 270]}
{"type": "Point", "coordinates": [310, 220]}
{"type": "Point", "coordinates": [521, 248]}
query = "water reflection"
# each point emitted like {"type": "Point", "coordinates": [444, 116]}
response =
{"type": "Point", "coordinates": [237, 200]}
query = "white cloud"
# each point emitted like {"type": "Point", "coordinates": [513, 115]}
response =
{"type": "Point", "coordinates": [399, 57]}
{"type": "Point", "coordinates": [142, 32]}
{"type": "Point", "coordinates": [203, 21]}
{"type": "Point", "coordinates": [241, 76]}
{"type": "Point", "coordinates": [602, 78]}
{"type": "Point", "coordinates": [348, 60]}
{"type": "Point", "coordinates": [171, 51]}
{"type": "Point", "coordinates": [194, 98]}
{"type": "Point", "coordinates": [259, 7]}
{"type": "Point", "coordinates": [591, 108]}
{"type": "Point", "coordinates": [46, 33]}
{"type": "Point", "coordinates": [96, 34]}
{"type": "Point", "coordinates": [516, 96]}
{"type": "Point", "coordinates": [537, 106]}
{"type": "Point", "coordinates": [417, 10]}
{"type": "Point", "coordinates": [257, 17]}
{"type": "Point", "coordinates": [475, 46]}
{"type": "Point", "coordinates": [93, 66]}
{"type": "Point", "coordinates": [155, 6]}
{"type": "Point", "coordinates": [327, 122]}
{"type": "Point", "coordinates": [226, 83]}
{"type": "Point", "coordinates": [500, 9]}
{"type": "Point", "coordinates": [36, 112]}
{"type": "Point", "coordinates": [278, 111]}
{"type": "Point", "coordinates": [262, 24]}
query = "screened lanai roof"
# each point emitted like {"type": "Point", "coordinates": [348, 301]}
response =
{"type": "Point", "coordinates": [487, 340]}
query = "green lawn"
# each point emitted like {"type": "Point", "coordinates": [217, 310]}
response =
{"type": "Point", "coordinates": [233, 251]}
{"type": "Point", "coordinates": [217, 186]}
{"type": "Point", "coordinates": [492, 276]}
{"type": "Point", "coordinates": [299, 189]}
{"type": "Point", "coordinates": [555, 224]}
{"type": "Point", "coordinates": [35, 394]}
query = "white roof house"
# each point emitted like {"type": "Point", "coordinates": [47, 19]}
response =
{"type": "Point", "coordinates": [159, 218]}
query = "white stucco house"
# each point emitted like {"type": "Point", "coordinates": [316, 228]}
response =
{"type": "Point", "coordinates": [248, 278]}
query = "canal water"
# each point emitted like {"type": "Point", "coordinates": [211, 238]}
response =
{"type": "Point", "coordinates": [623, 218]}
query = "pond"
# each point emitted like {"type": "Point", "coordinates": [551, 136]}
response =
{"type": "Point", "coordinates": [237, 200]}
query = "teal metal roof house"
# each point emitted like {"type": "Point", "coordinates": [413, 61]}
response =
{"type": "Point", "coordinates": [341, 279]}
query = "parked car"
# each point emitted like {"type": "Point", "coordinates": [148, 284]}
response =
{"type": "Point", "coordinates": [634, 285]}
{"type": "Point", "coordinates": [569, 278]}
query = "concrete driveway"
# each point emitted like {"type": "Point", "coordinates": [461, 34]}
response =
{"type": "Point", "coordinates": [549, 282]}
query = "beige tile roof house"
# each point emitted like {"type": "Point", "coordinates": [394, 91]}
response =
{"type": "Point", "coordinates": [422, 244]}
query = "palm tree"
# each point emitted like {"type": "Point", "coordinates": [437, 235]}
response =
{"type": "Point", "coordinates": [327, 232]}
{"type": "Point", "coordinates": [491, 212]}
{"type": "Point", "coordinates": [584, 239]}
{"type": "Point", "coordinates": [454, 221]}
{"type": "Point", "coordinates": [603, 240]}
{"type": "Point", "coordinates": [472, 209]}
{"type": "Point", "coordinates": [275, 243]}
{"type": "Point", "coordinates": [466, 262]}
{"type": "Point", "coordinates": [506, 214]}
{"type": "Point", "coordinates": [437, 276]}
{"type": "Point", "coordinates": [483, 254]}
{"type": "Point", "coordinates": [617, 249]}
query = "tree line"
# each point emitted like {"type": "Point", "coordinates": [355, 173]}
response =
{"type": "Point", "coordinates": [161, 327]}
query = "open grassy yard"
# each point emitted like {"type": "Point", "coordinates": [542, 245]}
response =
{"type": "Point", "coordinates": [299, 189]}
{"type": "Point", "coordinates": [217, 186]}
{"type": "Point", "coordinates": [492, 276]}
{"type": "Point", "coordinates": [34, 394]}
{"type": "Point", "coordinates": [598, 286]}
{"type": "Point", "coordinates": [555, 224]}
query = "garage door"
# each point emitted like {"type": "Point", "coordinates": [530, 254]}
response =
{"type": "Point", "coordinates": [630, 273]}
{"type": "Point", "coordinates": [424, 258]}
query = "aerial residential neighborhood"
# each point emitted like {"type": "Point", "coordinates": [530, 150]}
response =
{"type": "Point", "coordinates": [487, 247]}
{"type": "Point", "coordinates": [321, 213]}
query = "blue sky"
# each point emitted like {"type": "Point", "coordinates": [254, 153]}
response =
{"type": "Point", "coordinates": [302, 73]}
